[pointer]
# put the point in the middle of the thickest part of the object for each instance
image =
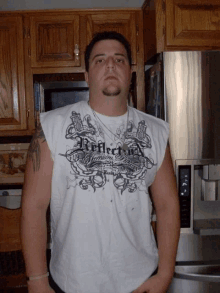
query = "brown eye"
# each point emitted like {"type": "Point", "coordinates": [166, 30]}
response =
{"type": "Point", "coordinates": [119, 60]}
{"type": "Point", "coordinates": [99, 61]}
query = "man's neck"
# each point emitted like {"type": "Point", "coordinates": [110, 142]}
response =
{"type": "Point", "coordinates": [111, 106]}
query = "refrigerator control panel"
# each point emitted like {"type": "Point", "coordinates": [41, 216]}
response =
{"type": "Point", "coordinates": [185, 195]}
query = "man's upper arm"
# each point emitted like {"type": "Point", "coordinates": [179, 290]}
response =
{"type": "Point", "coordinates": [38, 173]}
{"type": "Point", "coordinates": [163, 189]}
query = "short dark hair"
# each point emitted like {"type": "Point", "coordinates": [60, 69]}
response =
{"type": "Point", "coordinates": [107, 35]}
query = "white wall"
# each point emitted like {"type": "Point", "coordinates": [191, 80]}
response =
{"type": "Point", "coordinates": [6, 5]}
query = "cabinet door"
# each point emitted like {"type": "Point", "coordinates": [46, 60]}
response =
{"type": "Point", "coordinates": [12, 92]}
{"type": "Point", "coordinates": [123, 23]}
{"type": "Point", "coordinates": [193, 23]}
{"type": "Point", "coordinates": [55, 40]}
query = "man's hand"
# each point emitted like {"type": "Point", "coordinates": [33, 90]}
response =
{"type": "Point", "coordinates": [155, 284]}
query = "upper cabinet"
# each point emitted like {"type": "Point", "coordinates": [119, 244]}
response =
{"type": "Point", "coordinates": [55, 40]}
{"type": "Point", "coordinates": [193, 23]}
{"type": "Point", "coordinates": [13, 110]}
{"type": "Point", "coordinates": [122, 22]}
{"type": "Point", "coordinates": [181, 25]}
{"type": "Point", "coordinates": [60, 39]}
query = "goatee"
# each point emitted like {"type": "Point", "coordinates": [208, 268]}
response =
{"type": "Point", "coordinates": [110, 93]}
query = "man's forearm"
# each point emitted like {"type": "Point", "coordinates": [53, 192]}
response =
{"type": "Point", "coordinates": [168, 229]}
{"type": "Point", "coordinates": [34, 240]}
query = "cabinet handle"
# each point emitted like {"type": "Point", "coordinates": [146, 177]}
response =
{"type": "Point", "coordinates": [76, 51]}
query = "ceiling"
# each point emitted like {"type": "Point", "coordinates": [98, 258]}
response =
{"type": "Point", "coordinates": [10, 5]}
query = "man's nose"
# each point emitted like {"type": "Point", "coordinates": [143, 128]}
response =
{"type": "Point", "coordinates": [110, 63]}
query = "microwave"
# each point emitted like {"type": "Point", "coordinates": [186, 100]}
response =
{"type": "Point", "coordinates": [55, 94]}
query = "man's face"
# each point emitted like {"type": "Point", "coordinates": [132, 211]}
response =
{"type": "Point", "coordinates": [109, 70]}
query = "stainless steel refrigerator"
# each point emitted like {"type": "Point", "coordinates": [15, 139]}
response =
{"type": "Point", "coordinates": [183, 88]}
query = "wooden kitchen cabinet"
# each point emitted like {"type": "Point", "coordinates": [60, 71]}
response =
{"type": "Point", "coordinates": [55, 40]}
{"type": "Point", "coordinates": [121, 22]}
{"type": "Point", "coordinates": [13, 110]}
{"type": "Point", "coordinates": [181, 25]}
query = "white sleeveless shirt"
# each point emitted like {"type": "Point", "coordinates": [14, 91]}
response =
{"type": "Point", "coordinates": [102, 240]}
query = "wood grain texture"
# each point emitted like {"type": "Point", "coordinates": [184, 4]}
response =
{"type": "Point", "coordinates": [15, 133]}
{"type": "Point", "coordinates": [140, 64]}
{"type": "Point", "coordinates": [193, 23]}
{"type": "Point", "coordinates": [160, 6]}
{"type": "Point", "coordinates": [6, 59]}
{"type": "Point", "coordinates": [12, 93]}
{"type": "Point", "coordinates": [154, 27]}
{"type": "Point", "coordinates": [15, 284]}
{"type": "Point", "coordinates": [10, 245]}
{"type": "Point", "coordinates": [29, 93]}
{"type": "Point", "coordinates": [149, 30]}
{"type": "Point", "coordinates": [10, 239]}
{"type": "Point", "coordinates": [53, 40]}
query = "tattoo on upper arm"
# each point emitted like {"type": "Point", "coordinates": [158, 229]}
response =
{"type": "Point", "coordinates": [34, 149]}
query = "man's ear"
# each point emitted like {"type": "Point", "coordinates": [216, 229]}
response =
{"type": "Point", "coordinates": [86, 75]}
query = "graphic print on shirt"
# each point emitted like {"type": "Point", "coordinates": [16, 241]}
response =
{"type": "Point", "coordinates": [92, 160]}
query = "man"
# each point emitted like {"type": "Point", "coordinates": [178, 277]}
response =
{"type": "Point", "coordinates": [94, 163]}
